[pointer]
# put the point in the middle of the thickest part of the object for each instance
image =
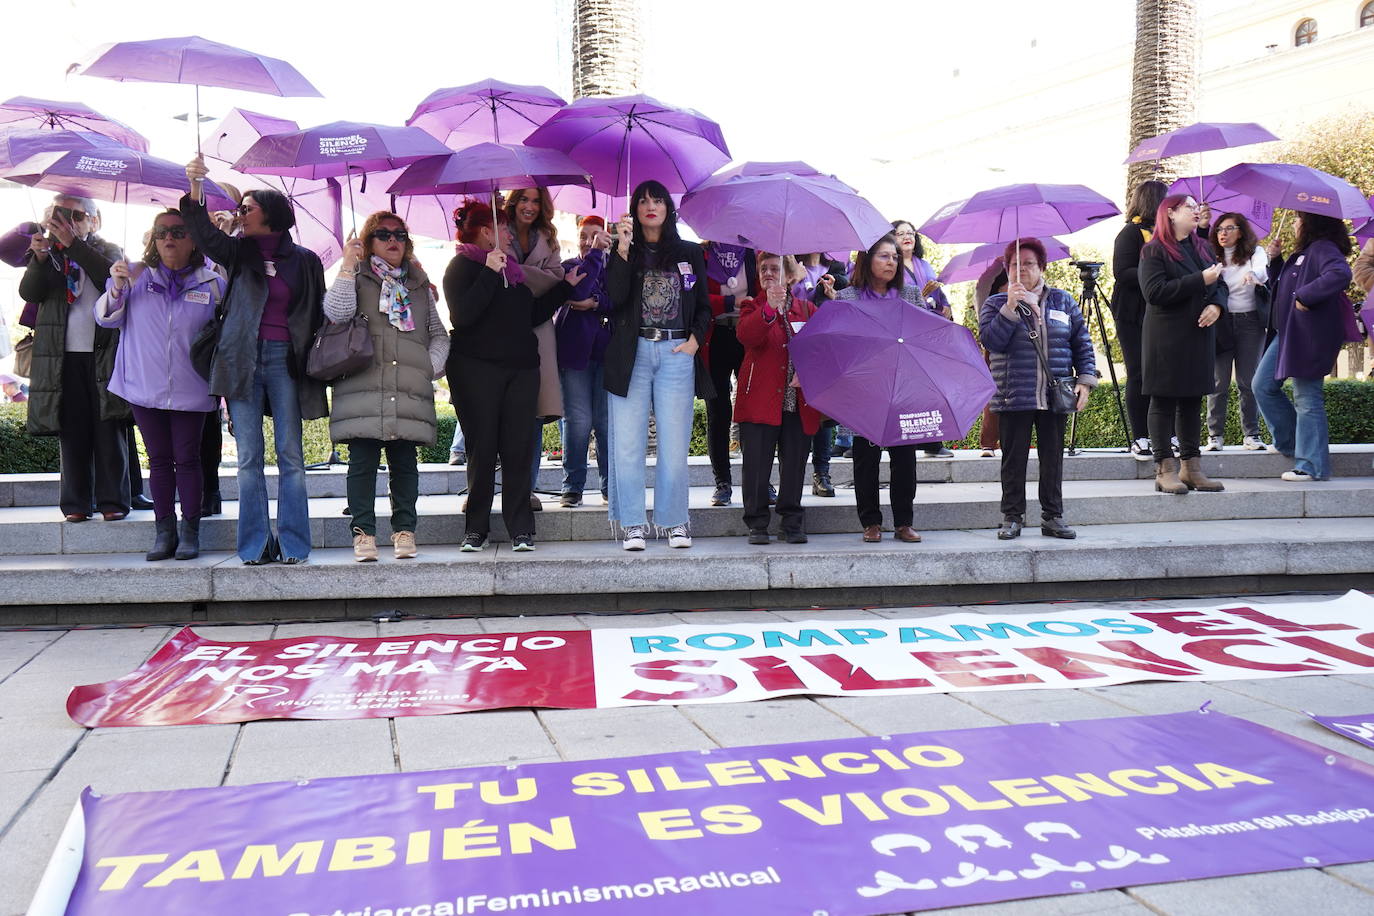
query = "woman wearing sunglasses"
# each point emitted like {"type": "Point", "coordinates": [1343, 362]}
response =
{"type": "Point", "coordinates": [159, 306]}
{"type": "Point", "coordinates": [272, 309]}
{"type": "Point", "coordinates": [390, 404]}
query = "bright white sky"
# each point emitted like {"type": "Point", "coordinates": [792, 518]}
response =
{"type": "Point", "coordinates": [833, 87]}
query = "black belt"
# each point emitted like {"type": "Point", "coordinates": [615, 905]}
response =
{"type": "Point", "coordinates": [663, 334]}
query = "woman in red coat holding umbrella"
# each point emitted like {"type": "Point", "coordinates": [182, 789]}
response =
{"type": "Point", "coordinates": [771, 411]}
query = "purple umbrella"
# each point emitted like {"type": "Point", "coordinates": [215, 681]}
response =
{"type": "Point", "coordinates": [1199, 138]}
{"type": "Point", "coordinates": [429, 215]}
{"type": "Point", "coordinates": [1017, 210]}
{"type": "Point", "coordinates": [969, 265]}
{"type": "Point", "coordinates": [892, 373]}
{"type": "Point", "coordinates": [759, 169]}
{"type": "Point", "coordinates": [620, 139]}
{"type": "Point", "coordinates": [112, 172]}
{"type": "Point", "coordinates": [1298, 187]}
{"type": "Point", "coordinates": [22, 111]}
{"type": "Point", "coordinates": [487, 167]}
{"type": "Point", "coordinates": [318, 204]}
{"type": "Point", "coordinates": [196, 61]}
{"type": "Point", "coordinates": [486, 110]}
{"type": "Point", "coordinates": [1222, 199]}
{"type": "Point", "coordinates": [783, 213]}
{"type": "Point", "coordinates": [1365, 231]}
{"type": "Point", "coordinates": [17, 144]}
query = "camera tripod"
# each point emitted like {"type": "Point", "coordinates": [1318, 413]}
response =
{"type": "Point", "coordinates": [1092, 306]}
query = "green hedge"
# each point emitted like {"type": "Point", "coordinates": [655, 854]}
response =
{"type": "Point", "coordinates": [1349, 408]}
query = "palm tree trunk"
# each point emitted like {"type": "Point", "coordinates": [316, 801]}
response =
{"type": "Point", "coordinates": [607, 50]}
{"type": "Point", "coordinates": [1163, 80]}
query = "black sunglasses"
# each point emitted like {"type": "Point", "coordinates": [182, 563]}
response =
{"type": "Point", "coordinates": [243, 209]}
{"type": "Point", "coordinates": [75, 216]}
{"type": "Point", "coordinates": [176, 232]}
{"type": "Point", "coordinates": [386, 235]}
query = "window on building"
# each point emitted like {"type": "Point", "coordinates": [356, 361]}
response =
{"type": "Point", "coordinates": [1367, 15]}
{"type": "Point", "coordinates": [1305, 33]}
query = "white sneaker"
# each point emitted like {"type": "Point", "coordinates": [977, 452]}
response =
{"type": "Point", "coordinates": [678, 536]}
{"type": "Point", "coordinates": [1272, 449]}
{"type": "Point", "coordinates": [1140, 450]}
{"type": "Point", "coordinates": [1252, 444]}
{"type": "Point", "coordinates": [634, 538]}
{"type": "Point", "coordinates": [1214, 444]}
{"type": "Point", "coordinates": [1296, 476]}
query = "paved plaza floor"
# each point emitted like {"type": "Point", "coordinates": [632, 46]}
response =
{"type": "Point", "coordinates": [46, 759]}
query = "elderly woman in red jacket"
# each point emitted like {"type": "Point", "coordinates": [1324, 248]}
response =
{"type": "Point", "coordinates": [771, 411]}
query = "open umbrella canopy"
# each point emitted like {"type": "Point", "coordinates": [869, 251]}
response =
{"type": "Point", "coordinates": [113, 172]}
{"type": "Point", "coordinates": [1199, 138]}
{"type": "Point", "coordinates": [198, 61]}
{"type": "Point", "coordinates": [487, 110]}
{"type": "Point", "coordinates": [430, 215]}
{"type": "Point", "coordinates": [1364, 231]}
{"type": "Point", "coordinates": [624, 140]}
{"type": "Point", "coordinates": [1221, 199]}
{"type": "Point", "coordinates": [46, 114]}
{"type": "Point", "coordinates": [1019, 210]}
{"type": "Point", "coordinates": [753, 169]}
{"type": "Point", "coordinates": [1297, 187]}
{"type": "Point", "coordinates": [969, 265]}
{"type": "Point", "coordinates": [334, 149]}
{"type": "Point", "coordinates": [892, 373]}
{"type": "Point", "coordinates": [783, 213]}
{"type": "Point", "coordinates": [486, 167]}
{"type": "Point", "coordinates": [18, 144]}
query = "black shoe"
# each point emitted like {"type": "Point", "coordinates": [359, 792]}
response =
{"type": "Point", "coordinates": [522, 543]}
{"type": "Point", "coordinates": [821, 485]}
{"type": "Point", "coordinates": [1055, 528]}
{"type": "Point", "coordinates": [722, 495]}
{"type": "Point", "coordinates": [141, 502]}
{"type": "Point", "coordinates": [473, 541]}
{"type": "Point", "coordinates": [940, 452]}
{"type": "Point", "coordinates": [1010, 528]}
{"type": "Point", "coordinates": [570, 500]}
{"type": "Point", "coordinates": [795, 537]}
{"type": "Point", "coordinates": [165, 543]}
{"type": "Point", "coordinates": [847, 453]}
{"type": "Point", "coordinates": [211, 504]}
{"type": "Point", "coordinates": [758, 536]}
{"type": "Point", "coordinates": [772, 495]}
{"type": "Point", "coordinates": [188, 546]}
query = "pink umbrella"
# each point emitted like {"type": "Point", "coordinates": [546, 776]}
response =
{"type": "Point", "coordinates": [44, 114]}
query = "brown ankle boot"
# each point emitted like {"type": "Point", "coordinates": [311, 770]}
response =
{"type": "Point", "coordinates": [1166, 478]}
{"type": "Point", "coordinates": [1193, 478]}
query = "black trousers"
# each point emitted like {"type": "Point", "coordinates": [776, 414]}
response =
{"type": "Point", "coordinates": [902, 474]}
{"type": "Point", "coordinates": [495, 406]}
{"type": "Point", "coordinates": [1015, 427]}
{"type": "Point", "coordinates": [211, 447]}
{"type": "Point", "coordinates": [135, 468]}
{"type": "Point", "coordinates": [759, 442]}
{"type": "Point", "coordinates": [95, 452]}
{"type": "Point", "coordinates": [1180, 417]}
{"type": "Point", "coordinates": [726, 355]}
{"type": "Point", "coordinates": [1130, 335]}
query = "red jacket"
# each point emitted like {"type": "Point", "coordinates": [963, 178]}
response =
{"type": "Point", "coordinates": [763, 373]}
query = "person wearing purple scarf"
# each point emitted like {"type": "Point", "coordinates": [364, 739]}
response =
{"type": "Point", "coordinates": [582, 330]}
{"type": "Point", "coordinates": [159, 306]}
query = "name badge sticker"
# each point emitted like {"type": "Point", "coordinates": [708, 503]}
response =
{"type": "Point", "coordinates": [689, 279]}
{"type": "Point", "coordinates": [1061, 317]}
{"type": "Point", "coordinates": [198, 296]}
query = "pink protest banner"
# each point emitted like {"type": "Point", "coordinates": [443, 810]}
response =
{"type": "Point", "coordinates": [194, 681]}
{"type": "Point", "coordinates": [849, 827]}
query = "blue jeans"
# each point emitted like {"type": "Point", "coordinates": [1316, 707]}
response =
{"type": "Point", "coordinates": [584, 410]}
{"type": "Point", "coordinates": [458, 446]}
{"type": "Point", "coordinates": [1299, 426]}
{"type": "Point", "coordinates": [272, 384]}
{"type": "Point", "coordinates": [665, 382]}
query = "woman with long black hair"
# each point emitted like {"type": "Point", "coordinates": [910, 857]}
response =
{"type": "Point", "coordinates": [1128, 304]}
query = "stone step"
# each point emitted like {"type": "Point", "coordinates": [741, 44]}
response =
{"type": "Point", "coordinates": [939, 507]}
{"type": "Point", "coordinates": [965, 467]}
{"type": "Point", "coordinates": [838, 569]}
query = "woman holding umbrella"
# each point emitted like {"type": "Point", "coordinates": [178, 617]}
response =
{"type": "Point", "coordinates": [272, 310]}
{"type": "Point", "coordinates": [1307, 316]}
{"type": "Point", "coordinates": [657, 285]}
{"type": "Point", "coordinates": [493, 369]}
{"type": "Point", "coordinates": [877, 275]}
{"type": "Point", "coordinates": [1128, 303]}
{"type": "Point", "coordinates": [1183, 300]}
{"type": "Point", "coordinates": [1030, 331]}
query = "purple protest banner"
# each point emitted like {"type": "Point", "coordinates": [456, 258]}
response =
{"type": "Point", "coordinates": [1359, 727]}
{"type": "Point", "coordinates": [868, 825]}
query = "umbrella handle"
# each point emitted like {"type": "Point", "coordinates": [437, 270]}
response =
{"type": "Point", "coordinates": [200, 191]}
{"type": "Point", "coordinates": [496, 233]}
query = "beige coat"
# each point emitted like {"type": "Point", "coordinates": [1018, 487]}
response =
{"type": "Point", "coordinates": [543, 270]}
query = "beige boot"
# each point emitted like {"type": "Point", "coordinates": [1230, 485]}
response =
{"type": "Point", "coordinates": [1193, 478]}
{"type": "Point", "coordinates": [1166, 478]}
{"type": "Point", "coordinates": [364, 546]}
{"type": "Point", "coordinates": [404, 543]}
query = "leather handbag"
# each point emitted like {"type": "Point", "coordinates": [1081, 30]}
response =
{"type": "Point", "coordinates": [23, 356]}
{"type": "Point", "coordinates": [340, 350]}
{"type": "Point", "coordinates": [204, 345]}
{"type": "Point", "coordinates": [1062, 396]}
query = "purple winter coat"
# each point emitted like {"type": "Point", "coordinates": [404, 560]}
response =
{"type": "Point", "coordinates": [152, 366]}
{"type": "Point", "coordinates": [582, 336]}
{"type": "Point", "coordinates": [1309, 341]}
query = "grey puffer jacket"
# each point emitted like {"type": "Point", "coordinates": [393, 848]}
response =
{"type": "Point", "coordinates": [236, 359]}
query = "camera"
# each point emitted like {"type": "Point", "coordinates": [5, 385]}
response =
{"type": "Point", "coordinates": [1088, 270]}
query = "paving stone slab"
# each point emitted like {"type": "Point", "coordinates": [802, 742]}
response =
{"type": "Point", "coordinates": [19, 647]}
{"type": "Point", "coordinates": [1019, 706]}
{"type": "Point", "coordinates": [768, 722]}
{"type": "Point", "coordinates": [588, 734]}
{"type": "Point", "coordinates": [896, 715]}
{"type": "Point", "coordinates": [311, 749]}
{"type": "Point", "coordinates": [565, 567]}
{"type": "Point", "coordinates": [335, 574]}
{"type": "Point", "coordinates": [1300, 726]}
{"type": "Point", "coordinates": [496, 737]}
{"type": "Point", "coordinates": [1306, 890]}
{"type": "Point", "coordinates": [1115, 903]}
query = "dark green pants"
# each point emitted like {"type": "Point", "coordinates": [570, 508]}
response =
{"type": "Point", "coordinates": [364, 455]}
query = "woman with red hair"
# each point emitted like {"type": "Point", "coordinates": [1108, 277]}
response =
{"type": "Point", "coordinates": [1183, 300]}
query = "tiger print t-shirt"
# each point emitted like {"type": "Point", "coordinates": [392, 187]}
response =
{"type": "Point", "coordinates": [661, 300]}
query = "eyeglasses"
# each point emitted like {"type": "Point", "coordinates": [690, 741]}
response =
{"type": "Point", "coordinates": [1221, 229]}
{"type": "Point", "coordinates": [905, 234]}
{"type": "Point", "coordinates": [76, 216]}
{"type": "Point", "coordinates": [386, 235]}
{"type": "Point", "coordinates": [244, 209]}
{"type": "Point", "coordinates": [176, 232]}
